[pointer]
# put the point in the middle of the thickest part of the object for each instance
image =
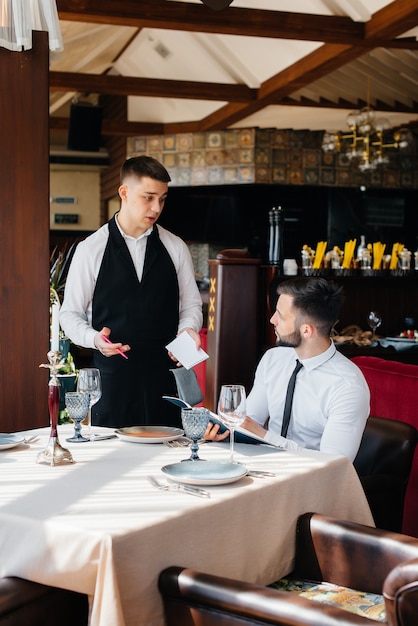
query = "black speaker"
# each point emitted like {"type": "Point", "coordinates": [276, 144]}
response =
{"type": "Point", "coordinates": [84, 127]}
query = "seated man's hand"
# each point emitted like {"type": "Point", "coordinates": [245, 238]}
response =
{"type": "Point", "coordinates": [212, 433]}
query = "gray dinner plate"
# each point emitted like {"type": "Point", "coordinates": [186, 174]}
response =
{"type": "Point", "coordinates": [205, 472]}
{"type": "Point", "coordinates": [10, 441]}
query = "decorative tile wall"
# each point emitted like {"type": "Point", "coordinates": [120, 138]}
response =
{"type": "Point", "coordinates": [267, 156]}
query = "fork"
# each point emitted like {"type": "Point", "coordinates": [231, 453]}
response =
{"type": "Point", "coordinates": [193, 491]}
{"type": "Point", "coordinates": [31, 439]}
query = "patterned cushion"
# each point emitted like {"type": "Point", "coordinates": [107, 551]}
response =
{"type": "Point", "coordinates": [369, 605]}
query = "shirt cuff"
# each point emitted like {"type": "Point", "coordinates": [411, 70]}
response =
{"type": "Point", "coordinates": [280, 442]}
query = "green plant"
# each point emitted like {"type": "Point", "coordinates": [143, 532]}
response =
{"type": "Point", "coordinates": [67, 365]}
{"type": "Point", "coordinates": [59, 263]}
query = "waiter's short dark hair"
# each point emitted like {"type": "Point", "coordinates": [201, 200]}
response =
{"type": "Point", "coordinates": [315, 299]}
{"type": "Point", "coordinates": [141, 166]}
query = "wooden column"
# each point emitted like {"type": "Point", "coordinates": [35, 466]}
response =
{"type": "Point", "coordinates": [234, 313]}
{"type": "Point", "coordinates": [24, 235]}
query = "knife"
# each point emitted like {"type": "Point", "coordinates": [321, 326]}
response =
{"type": "Point", "coordinates": [259, 473]}
{"type": "Point", "coordinates": [193, 491]}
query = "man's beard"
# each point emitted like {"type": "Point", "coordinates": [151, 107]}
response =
{"type": "Point", "coordinates": [289, 341]}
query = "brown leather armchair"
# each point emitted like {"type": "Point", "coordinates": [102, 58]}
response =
{"type": "Point", "coordinates": [384, 463]}
{"type": "Point", "coordinates": [344, 553]}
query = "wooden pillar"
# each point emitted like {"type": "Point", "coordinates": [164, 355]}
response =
{"type": "Point", "coordinates": [24, 235]}
{"type": "Point", "coordinates": [234, 314]}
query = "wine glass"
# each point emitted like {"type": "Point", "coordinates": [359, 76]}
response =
{"type": "Point", "coordinates": [374, 319]}
{"type": "Point", "coordinates": [89, 382]}
{"type": "Point", "coordinates": [195, 422]}
{"type": "Point", "coordinates": [77, 405]}
{"type": "Point", "coordinates": [232, 410]}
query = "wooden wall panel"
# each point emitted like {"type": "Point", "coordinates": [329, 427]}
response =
{"type": "Point", "coordinates": [24, 236]}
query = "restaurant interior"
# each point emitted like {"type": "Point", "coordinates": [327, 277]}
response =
{"type": "Point", "coordinates": [291, 138]}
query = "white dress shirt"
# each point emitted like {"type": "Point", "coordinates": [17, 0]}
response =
{"type": "Point", "coordinates": [330, 407]}
{"type": "Point", "coordinates": [76, 310]}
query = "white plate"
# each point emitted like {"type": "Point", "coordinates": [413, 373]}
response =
{"type": "Point", "coordinates": [10, 441]}
{"type": "Point", "coordinates": [401, 339]}
{"type": "Point", "coordinates": [205, 472]}
{"type": "Point", "coordinates": [149, 434]}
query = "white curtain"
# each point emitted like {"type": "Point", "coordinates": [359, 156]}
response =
{"type": "Point", "coordinates": [18, 18]}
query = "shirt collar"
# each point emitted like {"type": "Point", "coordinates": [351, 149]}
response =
{"type": "Point", "coordinates": [125, 236]}
{"type": "Point", "coordinates": [320, 359]}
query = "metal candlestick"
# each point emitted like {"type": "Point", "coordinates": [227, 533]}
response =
{"type": "Point", "coordinates": [54, 453]}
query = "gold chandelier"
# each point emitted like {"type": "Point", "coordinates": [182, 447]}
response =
{"type": "Point", "coordinates": [368, 140]}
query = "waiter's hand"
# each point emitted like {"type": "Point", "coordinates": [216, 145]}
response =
{"type": "Point", "coordinates": [194, 335]}
{"type": "Point", "coordinates": [106, 348]}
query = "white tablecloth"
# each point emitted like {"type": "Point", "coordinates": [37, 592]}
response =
{"type": "Point", "coordinates": [97, 526]}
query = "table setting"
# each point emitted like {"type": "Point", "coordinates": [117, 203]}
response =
{"type": "Point", "coordinates": [105, 514]}
{"type": "Point", "coordinates": [100, 526]}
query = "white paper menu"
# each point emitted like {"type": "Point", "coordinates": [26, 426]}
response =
{"type": "Point", "coordinates": [184, 349]}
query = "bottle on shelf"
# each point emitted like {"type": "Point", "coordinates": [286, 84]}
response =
{"type": "Point", "coordinates": [361, 247]}
{"type": "Point", "coordinates": [276, 218]}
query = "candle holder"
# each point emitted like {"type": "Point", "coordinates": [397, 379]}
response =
{"type": "Point", "coordinates": [54, 453]}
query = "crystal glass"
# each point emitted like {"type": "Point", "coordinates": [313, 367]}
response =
{"type": "Point", "coordinates": [232, 410]}
{"type": "Point", "coordinates": [374, 319]}
{"type": "Point", "coordinates": [195, 422]}
{"type": "Point", "coordinates": [89, 382]}
{"type": "Point", "coordinates": [77, 404]}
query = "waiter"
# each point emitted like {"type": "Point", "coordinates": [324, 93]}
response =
{"type": "Point", "coordinates": [131, 289]}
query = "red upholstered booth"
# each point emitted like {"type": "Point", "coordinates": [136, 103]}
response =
{"type": "Point", "coordinates": [394, 394]}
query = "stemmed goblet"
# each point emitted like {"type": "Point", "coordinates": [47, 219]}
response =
{"type": "Point", "coordinates": [374, 319]}
{"type": "Point", "coordinates": [89, 382]}
{"type": "Point", "coordinates": [195, 422]}
{"type": "Point", "coordinates": [232, 410]}
{"type": "Point", "coordinates": [77, 405]}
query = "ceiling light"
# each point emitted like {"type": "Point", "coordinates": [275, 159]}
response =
{"type": "Point", "coordinates": [369, 139]}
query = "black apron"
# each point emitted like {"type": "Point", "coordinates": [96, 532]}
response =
{"type": "Point", "coordinates": [144, 315]}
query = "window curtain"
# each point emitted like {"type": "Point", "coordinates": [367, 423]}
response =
{"type": "Point", "coordinates": [18, 18]}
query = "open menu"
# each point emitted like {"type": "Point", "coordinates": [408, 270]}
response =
{"type": "Point", "coordinates": [241, 434]}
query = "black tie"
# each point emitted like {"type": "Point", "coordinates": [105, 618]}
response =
{"type": "Point", "coordinates": [289, 398]}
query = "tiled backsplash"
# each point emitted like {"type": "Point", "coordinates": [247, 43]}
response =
{"type": "Point", "coordinates": [201, 253]}
{"type": "Point", "coordinates": [268, 156]}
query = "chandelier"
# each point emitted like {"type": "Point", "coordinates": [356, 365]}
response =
{"type": "Point", "coordinates": [368, 140]}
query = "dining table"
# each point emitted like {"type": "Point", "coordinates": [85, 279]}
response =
{"type": "Point", "coordinates": [98, 526]}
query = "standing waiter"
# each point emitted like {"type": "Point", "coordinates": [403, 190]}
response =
{"type": "Point", "coordinates": [133, 282]}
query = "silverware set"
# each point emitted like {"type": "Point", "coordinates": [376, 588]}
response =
{"type": "Point", "coordinates": [193, 491]}
{"type": "Point", "coordinates": [196, 491]}
{"type": "Point", "coordinates": [31, 439]}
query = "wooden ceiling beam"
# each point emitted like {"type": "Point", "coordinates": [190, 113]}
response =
{"type": "Point", "coordinates": [312, 67]}
{"type": "Point", "coordinates": [394, 19]}
{"type": "Point", "coordinates": [150, 87]}
{"type": "Point", "coordinates": [235, 21]}
{"type": "Point", "coordinates": [199, 18]}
